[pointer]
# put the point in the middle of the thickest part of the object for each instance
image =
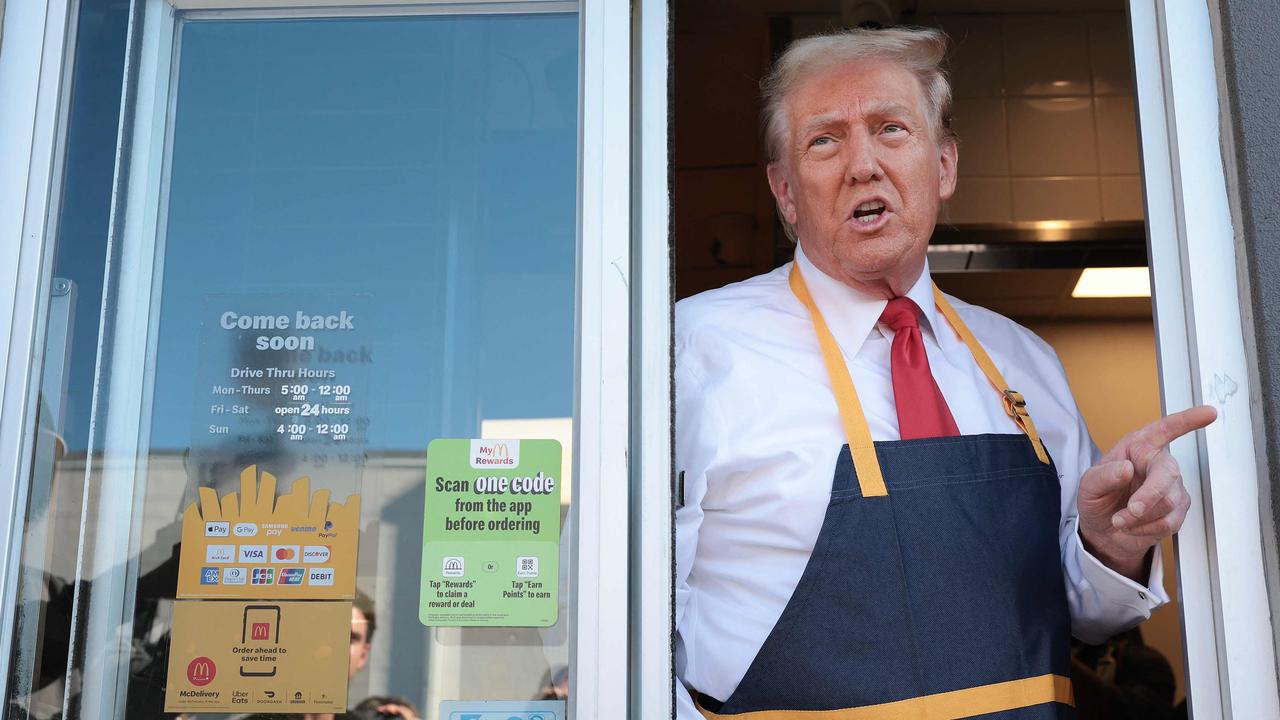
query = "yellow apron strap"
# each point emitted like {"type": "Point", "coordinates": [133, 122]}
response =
{"type": "Point", "coordinates": [981, 700]}
{"type": "Point", "coordinates": [861, 447]}
{"type": "Point", "coordinates": [856, 431]}
{"type": "Point", "coordinates": [1014, 404]}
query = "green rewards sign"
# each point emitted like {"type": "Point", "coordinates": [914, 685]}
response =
{"type": "Point", "coordinates": [491, 533]}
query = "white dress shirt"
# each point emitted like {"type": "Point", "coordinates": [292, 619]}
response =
{"type": "Point", "coordinates": [758, 433]}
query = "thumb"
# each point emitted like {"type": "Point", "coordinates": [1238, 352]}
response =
{"type": "Point", "coordinates": [1106, 479]}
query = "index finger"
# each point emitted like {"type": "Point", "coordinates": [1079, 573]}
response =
{"type": "Point", "coordinates": [1169, 428]}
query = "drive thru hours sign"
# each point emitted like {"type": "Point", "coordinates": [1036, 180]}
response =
{"type": "Point", "coordinates": [491, 533]}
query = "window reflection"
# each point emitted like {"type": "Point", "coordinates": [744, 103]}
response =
{"type": "Point", "coordinates": [418, 173]}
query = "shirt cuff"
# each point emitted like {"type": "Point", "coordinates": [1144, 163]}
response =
{"type": "Point", "coordinates": [1121, 590]}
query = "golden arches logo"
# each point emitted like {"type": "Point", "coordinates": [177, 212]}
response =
{"type": "Point", "coordinates": [201, 671]}
{"type": "Point", "coordinates": [501, 451]}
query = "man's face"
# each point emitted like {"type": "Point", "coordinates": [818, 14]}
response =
{"type": "Point", "coordinates": [359, 643]}
{"type": "Point", "coordinates": [861, 174]}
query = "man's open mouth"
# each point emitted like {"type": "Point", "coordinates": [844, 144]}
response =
{"type": "Point", "coordinates": [868, 212]}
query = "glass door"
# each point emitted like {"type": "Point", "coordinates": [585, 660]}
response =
{"type": "Point", "coordinates": [330, 459]}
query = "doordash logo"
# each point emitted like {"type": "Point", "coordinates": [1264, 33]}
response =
{"type": "Point", "coordinates": [495, 453]}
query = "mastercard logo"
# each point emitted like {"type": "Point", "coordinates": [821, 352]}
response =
{"type": "Point", "coordinates": [284, 553]}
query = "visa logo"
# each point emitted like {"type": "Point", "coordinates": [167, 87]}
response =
{"type": "Point", "coordinates": [253, 553]}
{"type": "Point", "coordinates": [209, 576]}
{"type": "Point", "coordinates": [219, 553]}
{"type": "Point", "coordinates": [217, 529]}
{"type": "Point", "coordinates": [291, 576]}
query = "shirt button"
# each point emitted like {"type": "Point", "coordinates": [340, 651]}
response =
{"type": "Point", "coordinates": [1142, 596]}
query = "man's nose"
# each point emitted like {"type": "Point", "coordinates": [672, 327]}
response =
{"type": "Point", "coordinates": [863, 163]}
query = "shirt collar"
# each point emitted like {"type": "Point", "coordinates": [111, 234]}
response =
{"type": "Point", "coordinates": [852, 314]}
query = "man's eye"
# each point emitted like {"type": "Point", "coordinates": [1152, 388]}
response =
{"type": "Point", "coordinates": [824, 140]}
{"type": "Point", "coordinates": [894, 128]}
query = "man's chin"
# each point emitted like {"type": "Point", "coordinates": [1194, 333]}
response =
{"type": "Point", "coordinates": [876, 261]}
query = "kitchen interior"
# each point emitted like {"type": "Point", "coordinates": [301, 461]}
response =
{"type": "Point", "coordinates": [1046, 225]}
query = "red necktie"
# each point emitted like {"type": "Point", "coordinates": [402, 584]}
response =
{"type": "Point", "coordinates": [922, 411]}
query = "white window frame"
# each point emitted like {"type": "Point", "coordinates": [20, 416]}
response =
{"type": "Point", "coordinates": [34, 86]}
{"type": "Point", "coordinates": [652, 517]}
{"type": "Point", "coordinates": [600, 638]}
{"type": "Point", "coordinates": [1227, 632]}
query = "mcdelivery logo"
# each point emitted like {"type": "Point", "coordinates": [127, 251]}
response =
{"type": "Point", "coordinates": [495, 453]}
{"type": "Point", "coordinates": [201, 671]}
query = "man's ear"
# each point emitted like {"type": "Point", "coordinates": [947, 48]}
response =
{"type": "Point", "coordinates": [781, 188]}
{"type": "Point", "coordinates": [948, 162]}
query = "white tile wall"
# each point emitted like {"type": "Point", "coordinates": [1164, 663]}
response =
{"type": "Point", "coordinates": [1117, 135]}
{"type": "Point", "coordinates": [1111, 55]}
{"type": "Point", "coordinates": [977, 58]}
{"type": "Point", "coordinates": [1052, 136]}
{"type": "Point", "coordinates": [979, 200]}
{"type": "Point", "coordinates": [1122, 198]}
{"type": "Point", "coordinates": [984, 142]}
{"type": "Point", "coordinates": [1056, 199]}
{"type": "Point", "coordinates": [1046, 55]}
{"type": "Point", "coordinates": [1044, 111]}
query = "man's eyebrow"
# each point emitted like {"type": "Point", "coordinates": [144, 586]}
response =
{"type": "Point", "coordinates": [820, 121]}
{"type": "Point", "coordinates": [890, 108]}
{"type": "Point", "coordinates": [880, 109]}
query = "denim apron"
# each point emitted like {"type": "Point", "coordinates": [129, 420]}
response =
{"type": "Point", "coordinates": [935, 588]}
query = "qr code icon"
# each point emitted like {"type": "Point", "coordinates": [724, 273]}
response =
{"type": "Point", "coordinates": [527, 567]}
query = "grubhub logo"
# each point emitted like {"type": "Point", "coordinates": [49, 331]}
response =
{"type": "Point", "coordinates": [201, 671]}
{"type": "Point", "coordinates": [495, 453]}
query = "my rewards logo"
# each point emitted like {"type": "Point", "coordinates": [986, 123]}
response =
{"type": "Point", "coordinates": [495, 453]}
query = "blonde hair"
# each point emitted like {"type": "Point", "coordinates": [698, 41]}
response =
{"type": "Point", "coordinates": [919, 50]}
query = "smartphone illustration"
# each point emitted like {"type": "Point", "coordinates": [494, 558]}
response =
{"type": "Point", "coordinates": [261, 626]}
